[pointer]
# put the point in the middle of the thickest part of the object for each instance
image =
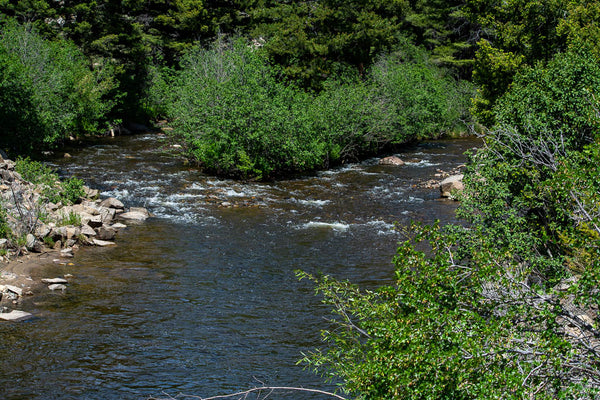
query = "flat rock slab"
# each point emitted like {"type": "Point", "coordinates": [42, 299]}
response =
{"type": "Point", "coordinates": [15, 315]}
{"type": "Point", "coordinates": [57, 286]}
{"type": "Point", "coordinates": [134, 215]}
{"type": "Point", "coordinates": [54, 280]}
{"type": "Point", "coordinates": [102, 243]}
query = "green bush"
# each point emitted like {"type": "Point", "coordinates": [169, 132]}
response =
{"type": "Point", "coordinates": [47, 91]}
{"type": "Point", "coordinates": [236, 117]}
{"type": "Point", "coordinates": [67, 191]}
{"type": "Point", "coordinates": [506, 305]}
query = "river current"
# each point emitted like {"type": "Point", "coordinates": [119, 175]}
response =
{"type": "Point", "coordinates": [202, 298]}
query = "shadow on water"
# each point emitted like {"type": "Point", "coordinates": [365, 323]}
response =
{"type": "Point", "coordinates": [202, 299]}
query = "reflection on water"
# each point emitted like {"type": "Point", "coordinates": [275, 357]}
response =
{"type": "Point", "coordinates": [202, 299]}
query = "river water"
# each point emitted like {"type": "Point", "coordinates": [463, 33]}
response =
{"type": "Point", "coordinates": [202, 298]}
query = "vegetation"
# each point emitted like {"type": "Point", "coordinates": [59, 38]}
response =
{"type": "Point", "coordinates": [247, 123]}
{"type": "Point", "coordinates": [65, 191]}
{"type": "Point", "coordinates": [46, 91]}
{"type": "Point", "coordinates": [504, 307]}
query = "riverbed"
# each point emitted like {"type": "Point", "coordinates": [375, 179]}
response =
{"type": "Point", "coordinates": [202, 298]}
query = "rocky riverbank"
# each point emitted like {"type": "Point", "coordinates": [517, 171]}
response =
{"type": "Point", "coordinates": [39, 232]}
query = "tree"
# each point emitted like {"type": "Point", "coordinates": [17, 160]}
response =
{"type": "Point", "coordinates": [48, 93]}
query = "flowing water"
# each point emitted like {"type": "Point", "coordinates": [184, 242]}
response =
{"type": "Point", "coordinates": [202, 298]}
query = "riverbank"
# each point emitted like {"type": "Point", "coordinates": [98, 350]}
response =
{"type": "Point", "coordinates": [39, 232]}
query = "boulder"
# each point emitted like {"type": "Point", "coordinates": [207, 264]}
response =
{"type": "Point", "coordinates": [135, 214]}
{"type": "Point", "coordinates": [15, 315]}
{"type": "Point", "coordinates": [88, 230]}
{"type": "Point", "coordinates": [452, 185]}
{"type": "Point", "coordinates": [111, 202]}
{"type": "Point", "coordinates": [105, 233]}
{"type": "Point", "coordinates": [29, 241]}
{"type": "Point", "coordinates": [391, 160]}
{"type": "Point", "coordinates": [57, 286]}
{"type": "Point", "coordinates": [107, 214]}
{"type": "Point", "coordinates": [95, 221]}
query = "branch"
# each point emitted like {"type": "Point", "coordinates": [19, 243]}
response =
{"type": "Point", "coordinates": [245, 393]}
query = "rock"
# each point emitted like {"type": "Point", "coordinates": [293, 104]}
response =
{"type": "Point", "coordinates": [111, 202]}
{"type": "Point", "coordinates": [16, 290]}
{"type": "Point", "coordinates": [68, 252]}
{"type": "Point", "coordinates": [54, 280]}
{"type": "Point", "coordinates": [57, 286]}
{"type": "Point", "coordinates": [15, 315]}
{"type": "Point", "coordinates": [135, 214]}
{"type": "Point", "coordinates": [4, 243]}
{"type": "Point", "coordinates": [67, 155]}
{"type": "Point", "coordinates": [391, 160]}
{"type": "Point", "coordinates": [105, 233]}
{"type": "Point", "coordinates": [95, 221]}
{"type": "Point", "coordinates": [118, 225]}
{"type": "Point", "coordinates": [88, 230]}
{"type": "Point", "coordinates": [6, 176]}
{"type": "Point", "coordinates": [29, 241]}
{"type": "Point", "coordinates": [102, 243]}
{"type": "Point", "coordinates": [90, 193]}
{"type": "Point", "coordinates": [107, 214]}
{"type": "Point", "coordinates": [452, 185]}
{"type": "Point", "coordinates": [42, 230]}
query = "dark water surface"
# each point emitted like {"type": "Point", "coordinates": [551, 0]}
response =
{"type": "Point", "coordinates": [202, 299]}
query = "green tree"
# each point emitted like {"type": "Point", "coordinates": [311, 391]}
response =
{"type": "Point", "coordinates": [48, 93]}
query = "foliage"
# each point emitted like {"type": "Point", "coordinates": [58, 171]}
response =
{"type": "Point", "coordinates": [5, 230]}
{"type": "Point", "coordinates": [247, 123]}
{"type": "Point", "coordinates": [443, 28]}
{"type": "Point", "coordinates": [68, 191]}
{"type": "Point", "coordinates": [504, 307]}
{"type": "Point", "coordinates": [47, 91]}
{"type": "Point", "coordinates": [72, 219]}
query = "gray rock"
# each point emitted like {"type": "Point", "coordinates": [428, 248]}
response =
{"type": "Point", "coordinates": [57, 286]}
{"type": "Point", "coordinates": [4, 243]}
{"type": "Point", "coordinates": [118, 225]}
{"type": "Point", "coordinates": [392, 160]}
{"type": "Point", "coordinates": [107, 214]}
{"type": "Point", "coordinates": [139, 214]}
{"type": "Point", "coordinates": [42, 230]}
{"type": "Point", "coordinates": [29, 241]}
{"type": "Point", "coordinates": [88, 230]}
{"type": "Point", "coordinates": [15, 315]}
{"type": "Point", "coordinates": [452, 185]}
{"type": "Point", "coordinates": [111, 202]}
{"type": "Point", "coordinates": [95, 221]}
{"type": "Point", "coordinates": [105, 233]}
{"type": "Point", "coordinates": [54, 280]}
{"type": "Point", "coordinates": [102, 243]}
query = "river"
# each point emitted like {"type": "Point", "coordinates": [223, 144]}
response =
{"type": "Point", "coordinates": [202, 298]}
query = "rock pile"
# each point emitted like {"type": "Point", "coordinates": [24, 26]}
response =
{"type": "Point", "coordinates": [38, 226]}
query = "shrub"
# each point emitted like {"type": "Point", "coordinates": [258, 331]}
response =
{"type": "Point", "coordinates": [67, 191]}
{"type": "Point", "coordinates": [246, 122]}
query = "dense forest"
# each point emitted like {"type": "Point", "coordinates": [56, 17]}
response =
{"type": "Point", "coordinates": [502, 306]}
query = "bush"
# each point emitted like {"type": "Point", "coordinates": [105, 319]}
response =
{"type": "Point", "coordinates": [506, 306]}
{"type": "Point", "coordinates": [46, 90]}
{"type": "Point", "coordinates": [67, 191]}
{"type": "Point", "coordinates": [245, 122]}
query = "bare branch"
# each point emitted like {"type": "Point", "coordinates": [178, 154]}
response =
{"type": "Point", "coordinates": [244, 394]}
